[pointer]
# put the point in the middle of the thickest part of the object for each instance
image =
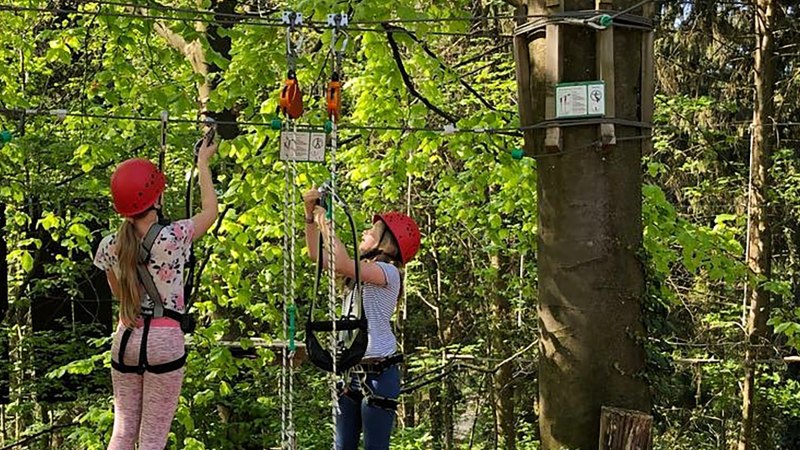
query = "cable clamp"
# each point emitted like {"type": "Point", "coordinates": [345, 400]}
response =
{"type": "Point", "coordinates": [338, 20]}
{"type": "Point", "coordinates": [449, 129]}
{"type": "Point", "coordinates": [292, 19]}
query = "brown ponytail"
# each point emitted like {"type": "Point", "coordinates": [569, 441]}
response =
{"type": "Point", "coordinates": [128, 254]}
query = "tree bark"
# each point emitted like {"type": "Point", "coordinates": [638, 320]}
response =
{"type": "Point", "coordinates": [759, 242]}
{"type": "Point", "coordinates": [591, 280]}
{"type": "Point", "coordinates": [5, 363]}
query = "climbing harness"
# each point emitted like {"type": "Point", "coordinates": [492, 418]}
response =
{"type": "Point", "coordinates": [350, 345]}
{"type": "Point", "coordinates": [291, 101]}
{"type": "Point", "coordinates": [157, 311]}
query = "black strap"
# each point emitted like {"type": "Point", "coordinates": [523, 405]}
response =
{"type": "Point", "coordinates": [382, 365]}
{"type": "Point", "coordinates": [143, 347]}
{"type": "Point", "coordinates": [356, 396]}
{"type": "Point", "coordinates": [126, 336]}
{"type": "Point", "coordinates": [143, 365]}
{"type": "Point", "coordinates": [188, 284]}
{"type": "Point", "coordinates": [350, 350]}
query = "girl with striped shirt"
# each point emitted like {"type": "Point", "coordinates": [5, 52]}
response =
{"type": "Point", "coordinates": [369, 404]}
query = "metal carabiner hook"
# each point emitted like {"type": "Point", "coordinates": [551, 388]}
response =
{"type": "Point", "coordinates": [292, 20]}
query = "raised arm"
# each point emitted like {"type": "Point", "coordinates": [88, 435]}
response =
{"type": "Point", "coordinates": [345, 265]}
{"type": "Point", "coordinates": [208, 197]}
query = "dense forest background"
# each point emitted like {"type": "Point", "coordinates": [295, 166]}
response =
{"type": "Point", "coordinates": [468, 317]}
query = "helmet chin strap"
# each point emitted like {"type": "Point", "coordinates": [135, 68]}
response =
{"type": "Point", "coordinates": [162, 220]}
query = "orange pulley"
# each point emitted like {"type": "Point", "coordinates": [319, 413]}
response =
{"type": "Point", "coordinates": [334, 98]}
{"type": "Point", "coordinates": [291, 104]}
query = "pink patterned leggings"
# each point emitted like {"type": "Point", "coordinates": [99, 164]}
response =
{"type": "Point", "coordinates": [144, 405]}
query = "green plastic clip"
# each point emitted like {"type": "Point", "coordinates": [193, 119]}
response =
{"type": "Point", "coordinates": [277, 124]}
{"type": "Point", "coordinates": [292, 328]}
{"type": "Point", "coordinates": [328, 126]}
{"type": "Point", "coordinates": [605, 20]}
{"type": "Point", "coordinates": [5, 136]}
{"type": "Point", "coordinates": [517, 153]}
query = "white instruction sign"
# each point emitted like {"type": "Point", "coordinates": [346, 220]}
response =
{"type": "Point", "coordinates": [597, 99]}
{"type": "Point", "coordinates": [302, 146]}
{"type": "Point", "coordinates": [316, 151]}
{"type": "Point", "coordinates": [580, 99]}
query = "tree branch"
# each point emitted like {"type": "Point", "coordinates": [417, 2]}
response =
{"type": "Point", "coordinates": [36, 435]}
{"type": "Point", "coordinates": [390, 29]}
{"type": "Point", "coordinates": [444, 67]}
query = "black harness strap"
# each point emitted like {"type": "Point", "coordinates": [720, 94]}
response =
{"type": "Point", "coordinates": [158, 311]}
{"type": "Point", "coordinates": [347, 355]}
{"type": "Point", "coordinates": [383, 364]}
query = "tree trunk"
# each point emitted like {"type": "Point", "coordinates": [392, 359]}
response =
{"type": "Point", "coordinates": [591, 280]}
{"type": "Point", "coordinates": [448, 409]}
{"type": "Point", "coordinates": [501, 348]}
{"type": "Point", "coordinates": [5, 362]}
{"type": "Point", "coordinates": [759, 245]}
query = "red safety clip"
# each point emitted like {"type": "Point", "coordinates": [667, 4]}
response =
{"type": "Point", "coordinates": [291, 104]}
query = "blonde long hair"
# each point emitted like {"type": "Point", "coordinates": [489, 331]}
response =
{"type": "Point", "coordinates": [128, 256]}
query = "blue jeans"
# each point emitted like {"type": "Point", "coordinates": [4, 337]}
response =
{"type": "Point", "coordinates": [376, 422]}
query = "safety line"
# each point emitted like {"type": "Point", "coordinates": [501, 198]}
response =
{"type": "Point", "coordinates": [250, 22]}
{"type": "Point", "coordinates": [319, 23]}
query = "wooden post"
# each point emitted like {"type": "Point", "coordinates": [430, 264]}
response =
{"type": "Point", "coordinates": [553, 70]}
{"type": "Point", "coordinates": [648, 90]}
{"type": "Point", "coordinates": [605, 72]}
{"type": "Point", "coordinates": [625, 429]}
{"type": "Point", "coordinates": [522, 59]}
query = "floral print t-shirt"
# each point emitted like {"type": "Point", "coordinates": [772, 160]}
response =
{"type": "Point", "coordinates": [170, 252]}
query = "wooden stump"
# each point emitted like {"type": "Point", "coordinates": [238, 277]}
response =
{"type": "Point", "coordinates": [625, 429]}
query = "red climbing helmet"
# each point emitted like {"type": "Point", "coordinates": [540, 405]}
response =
{"type": "Point", "coordinates": [135, 186]}
{"type": "Point", "coordinates": [404, 230]}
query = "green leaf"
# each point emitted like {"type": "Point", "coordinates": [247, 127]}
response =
{"type": "Point", "coordinates": [26, 260]}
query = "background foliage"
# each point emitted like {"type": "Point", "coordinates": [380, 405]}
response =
{"type": "Point", "coordinates": [476, 206]}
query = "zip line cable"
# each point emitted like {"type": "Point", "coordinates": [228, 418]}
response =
{"type": "Point", "coordinates": [166, 8]}
{"type": "Point", "coordinates": [250, 22]}
{"type": "Point", "coordinates": [258, 20]}
{"type": "Point", "coordinates": [448, 129]}
{"type": "Point", "coordinates": [317, 23]}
